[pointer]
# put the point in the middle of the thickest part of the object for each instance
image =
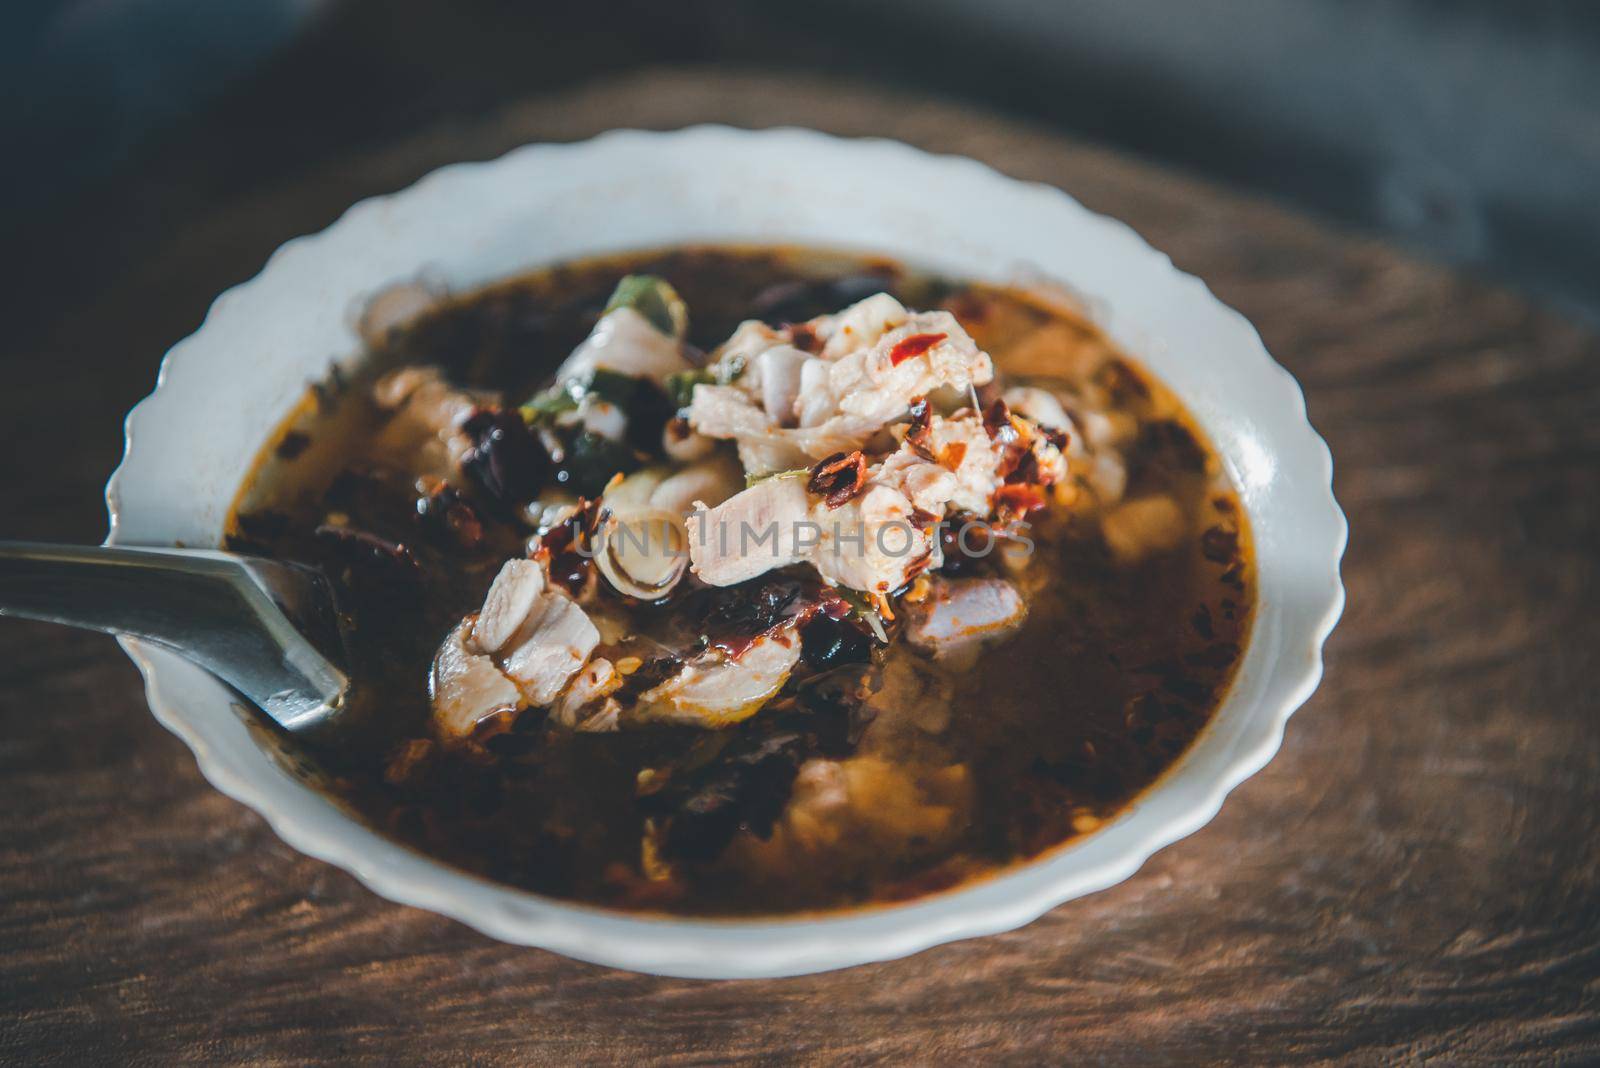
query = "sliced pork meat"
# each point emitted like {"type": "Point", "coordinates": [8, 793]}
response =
{"type": "Point", "coordinates": [958, 614]}
{"type": "Point", "coordinates": [510, 601]}
{"type": "Point", "coordinates": [858, 326]}
{"type": "Point", "coordinates": [521, 649]}
{"type": "Point", "coordinates": [765, 446]}
{"type": "Point", "coordinates": [958, 444]}
{"type": "Point", "coordinates": [550, 647]}
{"type": "Point", "coordinates": [624, 341]}
{"type": "Point", "coordinates": [877, 384]}
{"type": "Point", "coordinates": [717, 689]}
{"type": "Point", "coordinates": [758, 530]}
{"type": "Point", "coordinates": [466, 688]}
{"type": "Point", "coordinates": [426, 417]}
{"type": "Point", "coordinates": [586, 704]}
{"type": "Point", "coordinates": [786, 409]}
{"type": "Point", "coordinates": [778, 372]}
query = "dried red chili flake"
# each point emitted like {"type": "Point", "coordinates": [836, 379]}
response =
{"type": "Point", "coordinates": [912, 346]}
{"type": "Point", "coordinates": [914, 569]}
{"type": "Point", "coordinates": [563, 544]}
{"type": "Point", "coordinates": [919, 436]}
{"type": "Point", "coordinates": [997, 421]}
{"type": "Point", "coordinates": [1019, 498]}
{"type": "Point", "coordinates": [1059, 438]}
{"type": "Point", "coordinates": [952, 454]}
{"type": "Point", "coordinates": [804, 338]}
{"type": "Point", "coordinates": [839, 477]}
{"type": "Point", "coordinates": [1020, 465]}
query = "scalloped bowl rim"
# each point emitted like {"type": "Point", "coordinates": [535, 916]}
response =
{"type": "Point", "coordinates": [781, 185]}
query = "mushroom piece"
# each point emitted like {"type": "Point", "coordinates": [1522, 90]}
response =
{"type": "Point", "coordinates": [642, 553]}
{"type": "Point", "coordinates": [642, 543]}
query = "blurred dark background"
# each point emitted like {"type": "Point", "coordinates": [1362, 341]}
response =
{"type": "Point", "coordinates": [1467, 130]}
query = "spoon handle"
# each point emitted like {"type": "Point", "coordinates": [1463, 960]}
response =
{"type": "Point", "coordinates": [266, 628]}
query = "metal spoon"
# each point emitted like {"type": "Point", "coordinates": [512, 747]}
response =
{"type": "Point", "coordinates": [267, 628]}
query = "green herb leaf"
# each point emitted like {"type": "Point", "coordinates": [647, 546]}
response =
{"type": "Point", "coordinates": [614, 386]}
{"type": "Point", "coordinates": [590, 461]}
{"type": "Point", "coordinates": [862, 609]}
{"type": "Point", "coordinates": [544, 406]}
{"type": "Point", "coordinates": [751, 480]}
{"type": "Point", "coordinates": [680, 385]}
{"type": "Point", "coordinates": [655, 299]}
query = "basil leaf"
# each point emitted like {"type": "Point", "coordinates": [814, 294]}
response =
{"type": "Point", "coordinates": [680, 385]}
{"type": "Point", "coordinates": [862, 609]}
{"type": "Point", "coordinates": [655, 299]}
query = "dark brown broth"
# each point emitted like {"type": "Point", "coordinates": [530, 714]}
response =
{"type": "Point", "coordinates": [1057, 728]}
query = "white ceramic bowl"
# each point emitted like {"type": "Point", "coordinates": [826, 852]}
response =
{"type": "Point", "coordinates": [224, 389]}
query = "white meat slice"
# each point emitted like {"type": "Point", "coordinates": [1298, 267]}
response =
{"type": "Point", "coordinates": [869, 543]}
{"type": "Point", "coordinates": [764, 446]}
{"type": "Point", "coordinates": [735, 359]}
{"type": "Point", "coordinates": [789, 407]}
{"type": "Point", "coordinates": [859, 325]}
{"type": "Point", "coordinates": [814, 405]}
{"type": "Point", "coordinates": [625, 342]}
{"type": "Point", "coordinates": [778, 371]}
{"type": "Point", "coordinates": [727, 412]}
{"type": "Point", "coordinates": [752, 532]}
{"type": "Point", "coordinates": [957, 613]}
{"type": "Point", "coordinates": [927, 485]}
{"type": "Point", "coordinates": [588, 697]}
{"type": "Point", "coordinates": [710, 481]}
{"type": "Point", "coordinates": [962, 446]}
{"type": "Point", "coordinates": [425, 424]}
{"type": "Point", "coordinates": [550, 647]}
{"type": "Point", "coordinates": [867, 384]}
{"type": "Point", "coordinates": [511, 598]}
{"type": "Point", "coordinates": [715, 690]}
{"type": "Point", "coordinates": [466, 687]}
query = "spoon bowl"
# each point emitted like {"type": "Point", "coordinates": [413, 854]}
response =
{"type": "Point", "coordinates": [268, 629]}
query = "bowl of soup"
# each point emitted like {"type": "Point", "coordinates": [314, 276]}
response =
{"type": "Point", "coordinates": [759, 552]}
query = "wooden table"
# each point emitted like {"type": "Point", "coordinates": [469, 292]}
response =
{"type": "Point", "coordinates": [1415, 875]}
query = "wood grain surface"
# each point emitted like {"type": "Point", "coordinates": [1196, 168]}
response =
{"type": "Point", "coordinates": [1415, 876]}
